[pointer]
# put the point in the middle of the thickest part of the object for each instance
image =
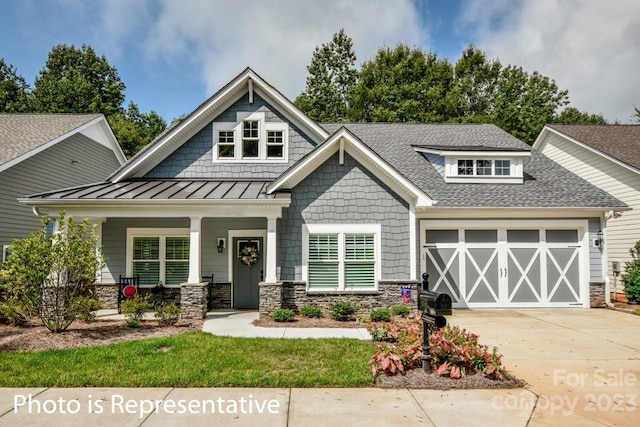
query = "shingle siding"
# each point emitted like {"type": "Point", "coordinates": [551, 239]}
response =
{"type": "Point", "coordinates": [345, 194]}
{"type": "Point", "coordinates": [194, 159]}
{"type": "Point", "coordinates": [48, 170]}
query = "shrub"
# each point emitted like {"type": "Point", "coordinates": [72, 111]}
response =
{"type": "Point", "coordinates": [310, 311]}
{"type": "Point", "coordinates": [400, 310]}
{"type": "Point", "coordinates": [283, 315]}
{"type": "Point", "coordinates": [631, 276]}
{"type": "Point", "coordinates": [167, 314]}
{"type": "Point", "coordinates": [454, 352]}
{"type": "Point", "coordinates": [135, 308]}
{"type": "Point", "coordinates": [342, 310]}
{"type": "Point", "coordinates": [380, 315]}
{"type": "Point", "coordinates": [14, 313]}
{"type": "Point", "coordinates": [44, 273]}
{"type": "Point", "coordinates": [85, 308]}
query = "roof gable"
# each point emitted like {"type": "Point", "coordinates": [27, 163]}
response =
{"type": "Point", "coordinates": [24, 135]}
{"type": "Point", "coordinates": [246, 83]}
{"type": "Point", "coordinates": [620, 143]}
{"type": "Point", "coordinates": [343, 140]}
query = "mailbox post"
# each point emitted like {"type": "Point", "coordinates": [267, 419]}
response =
{"type": "Point", "coordinates": [434, 307]}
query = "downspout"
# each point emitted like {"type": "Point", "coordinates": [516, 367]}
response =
{"type": "Point", "coordinates": [605, 258]}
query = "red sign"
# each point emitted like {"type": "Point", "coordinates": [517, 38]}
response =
{"type": "Point", "coordinates": [129, 291]}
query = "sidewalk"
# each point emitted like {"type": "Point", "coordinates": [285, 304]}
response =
{"type": "Point", "coordinates": [240, 324]}
{"type": "Point", "coordinates": [153, 407]}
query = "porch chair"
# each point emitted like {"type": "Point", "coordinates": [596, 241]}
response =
{"type": "Point", "coordinates": [210, 288]}
{"type": "Point", "coordinates": [126, 286]}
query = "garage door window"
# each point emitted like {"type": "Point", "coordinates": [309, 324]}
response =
{"type": "Point", "coordinates": [562, 236]}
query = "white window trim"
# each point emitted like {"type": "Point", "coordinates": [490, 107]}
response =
{"type": "Point", "coordinates": [341, 230]}
{"type": "Point", "coordinates": [237, 129]}
{"type": "Point", "coordinates": [162, 233]}
{"type": "Point", "coordinates": [516, 172]}
{"type": "Point", "coordinates": [5, 252]}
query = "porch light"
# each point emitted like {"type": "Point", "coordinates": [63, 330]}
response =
{"type": "Point", "coordinates": [221, 244]}
{"type": "Point", "coordinates": [600, 238]}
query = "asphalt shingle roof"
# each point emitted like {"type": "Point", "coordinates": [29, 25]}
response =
{"type": "Point", "coordinates": [546, 183]}
{"type": "Point", "coordinates": [21, 133]}
{"type": "Point", "coordinates": [621, 142]}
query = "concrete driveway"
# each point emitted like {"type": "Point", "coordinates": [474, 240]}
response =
{"type": "Point", "coordinates": [583, 365]}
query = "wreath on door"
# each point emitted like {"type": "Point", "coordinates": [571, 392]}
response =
{"type": "Point", "coordinates": [249, 255]}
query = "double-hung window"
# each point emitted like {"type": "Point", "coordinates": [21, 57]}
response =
{"type": "Point", "coordinates": [252, 138]}
{"type": "Point", "coordinates": [226, 144]}
{"type": "Point", "coordinates": [342, 258]}
{"type": "Point", "coordinates": [158, 256]}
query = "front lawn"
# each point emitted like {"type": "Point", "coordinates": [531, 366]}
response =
{"type": "Point", "coordinates": [196, 359]}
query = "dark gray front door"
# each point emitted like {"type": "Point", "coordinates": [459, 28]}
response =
{"type": "Point", "coordinates": [246, 277]}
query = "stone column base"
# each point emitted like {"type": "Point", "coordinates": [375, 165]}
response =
{"type": "Point", "coordinates": [270, 298]}
{"type": "Point", "coordinates": [596, 295]}
{"type": "Point", "coordinates": [107, 294]}
{"type": "Point", "coordinates": [193, 300]}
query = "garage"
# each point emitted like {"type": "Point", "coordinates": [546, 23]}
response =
{"type": "Point", "coordinates": [507, 264]}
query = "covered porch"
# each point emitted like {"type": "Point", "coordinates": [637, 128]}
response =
{"type": "Point", "coordinates": [181, 238]}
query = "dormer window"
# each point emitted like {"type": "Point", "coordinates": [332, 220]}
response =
{"type": "Point", "coordinates": [477, 164]}
{"type": "Point", "coordinates": [484, 167]}
{"type": "Point", "coordinates": [250, 139]}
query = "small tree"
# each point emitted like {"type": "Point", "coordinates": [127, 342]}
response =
{"type": "Point", "coordinates": [631, 276]}
{"type": "Point", "coordinates": [49, 275]}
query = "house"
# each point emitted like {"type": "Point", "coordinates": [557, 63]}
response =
{"type": "Point", "coordinates": [42, 152]}
{"type": "Point", "coordinates": [285, 212]}
{"type": "Point", "coordinates": [608, 156]}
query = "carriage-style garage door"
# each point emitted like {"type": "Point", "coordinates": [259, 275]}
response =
{"type": "Point", "coordinates": [507, 264]}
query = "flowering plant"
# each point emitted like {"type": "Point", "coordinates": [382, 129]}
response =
{"type": "Point", "coordinates": [249, 255]}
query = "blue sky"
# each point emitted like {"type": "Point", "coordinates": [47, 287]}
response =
{"type": "Point", "coordinates": [174, 54]}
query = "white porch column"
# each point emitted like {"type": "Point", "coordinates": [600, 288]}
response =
{"type": "Point", "coordinates": [270, 273]}
{"type": "Point", "coordinates": [194, 250]}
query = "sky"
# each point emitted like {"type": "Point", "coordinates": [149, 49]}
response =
{"type": "Point", "coordinates": [174, 54]}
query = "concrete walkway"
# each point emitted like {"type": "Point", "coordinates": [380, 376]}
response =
{"type": "Point", "coordinates": [583, 367]}
{"type": "Point", "coordinates": [240, 324]}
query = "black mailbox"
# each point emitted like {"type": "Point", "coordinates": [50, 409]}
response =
{"type": "Point", "coordinates": [433, 303]}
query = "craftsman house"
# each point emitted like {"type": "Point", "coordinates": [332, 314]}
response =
{"type": "Point", "coordinates": [42, 152]}
{"type": "Point", "coordinates": [607, 156]}
{"type": "Point", "coordinates": [284, 211]}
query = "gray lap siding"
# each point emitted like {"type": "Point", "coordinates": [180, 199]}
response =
{"type": "Point", "coordinates": [345, 194]}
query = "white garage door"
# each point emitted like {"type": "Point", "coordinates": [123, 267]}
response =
{"type": "Point", "coordinates": [507, 265]}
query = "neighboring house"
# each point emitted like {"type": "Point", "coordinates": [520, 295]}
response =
{"type": "Point", "coordinates": [42, 152]}
{"type": "Point", "coordinates": [332, 211]}
{"type": "Point", "coordinates": [608, 156]}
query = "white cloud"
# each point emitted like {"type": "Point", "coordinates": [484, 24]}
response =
{"type": "Point", "coordinates": [588, 47]}
{"type": "Point", "coordinates": [276, 39]}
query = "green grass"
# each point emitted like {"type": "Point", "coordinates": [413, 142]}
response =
{"type": "Point", "coordinates": [196, 360]}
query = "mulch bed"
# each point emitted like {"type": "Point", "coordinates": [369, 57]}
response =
{"type": "Point", "coordinates": [304, 322]}
{"type": "Point", "coordinates": [34, 337]}
{"type": "Point", "coordinates": [416, 378]}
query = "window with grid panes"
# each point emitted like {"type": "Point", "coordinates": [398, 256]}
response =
{"type": "Point", "coordinates": [250, 139]}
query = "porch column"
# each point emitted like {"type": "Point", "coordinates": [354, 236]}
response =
{"type": "Point", "coordinates": [194, 250]}
{"type": "Point", "coordinates": [270, 273]}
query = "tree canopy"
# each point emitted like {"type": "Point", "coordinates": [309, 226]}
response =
{"type": "Point", "coordinates": [14, 90]}
{"type": "Point", "coordinates": [331, 75]}
{"type": "Point", "coordinates": [403, 84]}
{"type": "Point", "coordinates": [77, 80]}
{"type": "Point", "coordinates": [134, 129]}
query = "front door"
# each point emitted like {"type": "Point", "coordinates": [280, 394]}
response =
{"type": "Point", "coordinates": [247, 272]}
